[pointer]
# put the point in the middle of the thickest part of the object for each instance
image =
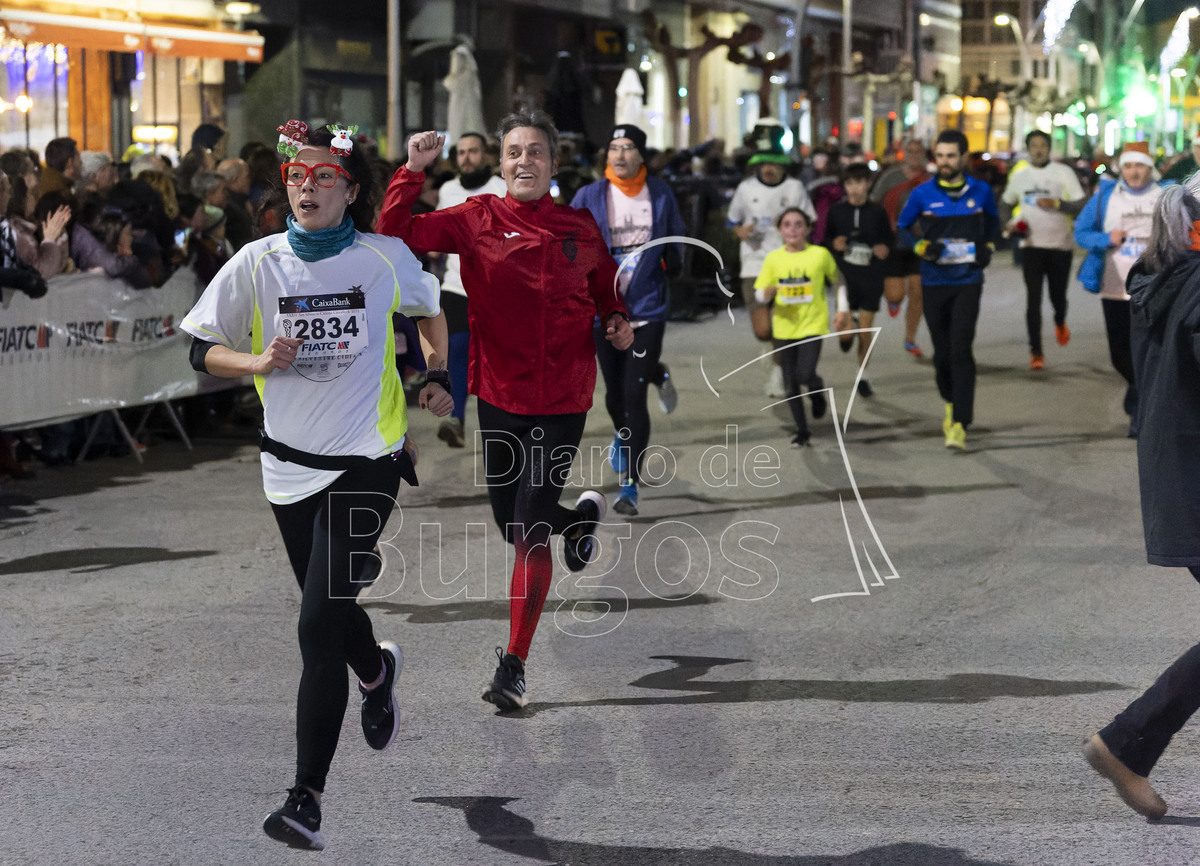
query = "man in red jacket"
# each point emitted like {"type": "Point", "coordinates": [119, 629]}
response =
{"type": "Point", "coordinates": [535, 274]}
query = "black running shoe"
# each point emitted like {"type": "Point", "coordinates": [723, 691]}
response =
{"type": "Point", "coordinates": [580, 550]}
{"type": "Point", "coordinates": [507, 690]}
{"type": "Point", "coordinates": [298, 822]}
{"type": "Point", "coordinates": [846, 341]}
{"type": "Point", "coordinates": [865, 389]}
{"type": "Point", "coordinates": [801, 439]}
{"type": "Point", "coordinates": [380, 715]}
{"type": "Point", "coordinates": [819, 405]}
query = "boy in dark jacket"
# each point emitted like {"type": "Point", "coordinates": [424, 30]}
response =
{"type": "Point", "coordinates": [861, 237]}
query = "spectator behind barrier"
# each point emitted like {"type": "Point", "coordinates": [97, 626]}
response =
{"type": "Point", "coordinates": [205, 243]}
{"type": "Point", "coordinates": [15, 273]}
{"type": "Point", "coordinates": [63, 166]}
{"type": "Point", "coordinates": [97, 176]}
{"type": "Point", "coordinates": [44, 244]}
{"type": "Point", "coordinates": [102, 240]}
{"type": "Point", "coordinates": [46, 249]}
{"type": "Point", "coordinates": [239, 224]}
{"type": "Point", "coordinates": [18, 163]}
{"type": "Point", "coordinates": [161, 183]}
{"type": "Point", "coordinates": [153, 231]}
{"type": "Point", "coordinates": [146, 162]}
{"type": "Point", "coordinates": [263, 163]}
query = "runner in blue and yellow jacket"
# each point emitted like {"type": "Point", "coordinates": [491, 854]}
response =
{"type": "Point", "coordinates": [951, 223]}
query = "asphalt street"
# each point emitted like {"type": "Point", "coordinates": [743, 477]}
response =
{"type": "Point", "coordinates": [869, 651]}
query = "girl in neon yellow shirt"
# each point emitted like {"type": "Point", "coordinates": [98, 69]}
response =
{"type": "Point", "coordinates": [793, 280]}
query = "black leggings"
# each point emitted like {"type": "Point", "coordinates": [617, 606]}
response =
{"type": "Point", "coordinates": [528, 459]}
{"type": "Point", "coordinates": [1120, 346]}
{"type": "Point", "coordinates": [334, 631]}
{"type": "Point", "coordinates": [1054, 266]}
{"type": "Point", "coordinates": [951, 313]}
{"type": "Point", "coordinates": [628, 375]}
{"type": "Point", "coordinates": [798, 358]}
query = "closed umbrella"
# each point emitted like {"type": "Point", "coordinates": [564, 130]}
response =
{"type": "Point", "coordinates": [465, 111]}
{"type": "Point", "coordinates": [629, 99]}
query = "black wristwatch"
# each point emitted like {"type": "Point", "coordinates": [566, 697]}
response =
{"type": "Point", "coordinates": [438, 377]}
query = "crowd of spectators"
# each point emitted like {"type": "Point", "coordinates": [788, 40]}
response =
{"type": "Point", "coordinates": [70, 211]}
{"type": "Point", "coordinates": [67, 211]}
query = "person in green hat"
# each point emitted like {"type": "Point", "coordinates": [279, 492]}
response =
{"type": "Point", "coordinates": [756, 205]}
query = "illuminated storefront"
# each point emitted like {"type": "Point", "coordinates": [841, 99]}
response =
{"type": "Point", "coordinates": [107, 81]}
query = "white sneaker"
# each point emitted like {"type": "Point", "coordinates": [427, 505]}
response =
{"type": "Point", "coordinates": [774, 386]}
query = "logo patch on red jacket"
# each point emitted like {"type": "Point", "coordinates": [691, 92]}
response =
{"type": "Point", "coordinates": [570, 250]}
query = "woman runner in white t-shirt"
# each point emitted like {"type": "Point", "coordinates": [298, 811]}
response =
{"type": "Point", "coordinates": [316, 303]}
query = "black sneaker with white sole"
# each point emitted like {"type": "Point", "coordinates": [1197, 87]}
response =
{"type": "Point", "coordinates": [298, 822]}
{"type": "Point", "coordinates": [507, 690]}
{"type": "Point", "coordinates": [380, 715]}
{"type": "Point", "coordinates": [580, 549]}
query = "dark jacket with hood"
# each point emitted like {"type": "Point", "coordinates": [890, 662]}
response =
{"type": "Point", "coordinates": [1165, 330]}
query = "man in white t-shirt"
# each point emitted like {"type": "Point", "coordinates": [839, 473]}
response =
{"type": "Point", "coordinates": [1045, 197]}
{"type": "Point", "coordinates": [757, 203]}
{"type": "Point", "coordinates": [475, 177]}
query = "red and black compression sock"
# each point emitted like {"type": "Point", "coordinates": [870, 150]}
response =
{"type": "Point", "coordinates": [532, 574]}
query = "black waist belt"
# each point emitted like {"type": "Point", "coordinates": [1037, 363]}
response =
{"type": "Point", "coordinates": [333, 463]}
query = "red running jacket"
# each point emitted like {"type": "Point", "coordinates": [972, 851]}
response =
{"type": "Point", "coordinates": [536, 274]}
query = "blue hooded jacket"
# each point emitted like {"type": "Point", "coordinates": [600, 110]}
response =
{"type": "Point", "coordinates": [647, 299]}
{"type": "Point", "coordinates": [1090, 233]}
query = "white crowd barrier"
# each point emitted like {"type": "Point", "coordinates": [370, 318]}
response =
{"type": "Point", "coordinates": [92, 344]}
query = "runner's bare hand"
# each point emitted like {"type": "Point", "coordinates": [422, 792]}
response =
{"type": "Point", "coordinates": [619, 332]}
{"type": "Point", "coordinates": [436, 399]}
{"type": "Point", "coordinates": [424, 148]}
{"type": "Point", "coordinates": [279, 355]}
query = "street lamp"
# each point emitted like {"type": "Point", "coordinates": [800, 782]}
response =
{"type": "Point", "coordinates": [1003, 20]}
{"type": "Point", "coordinates": [1177, 46]}
{"type": "Point", "coordinates": [1179, 74]}
{"type": "Point", "coordinates": [1019, 124]}
{"type": "Point", "coordinates": [1091, 57]}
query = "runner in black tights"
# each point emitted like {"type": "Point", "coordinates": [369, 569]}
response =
{"type": "Point", "coordinates": [308, 313]}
